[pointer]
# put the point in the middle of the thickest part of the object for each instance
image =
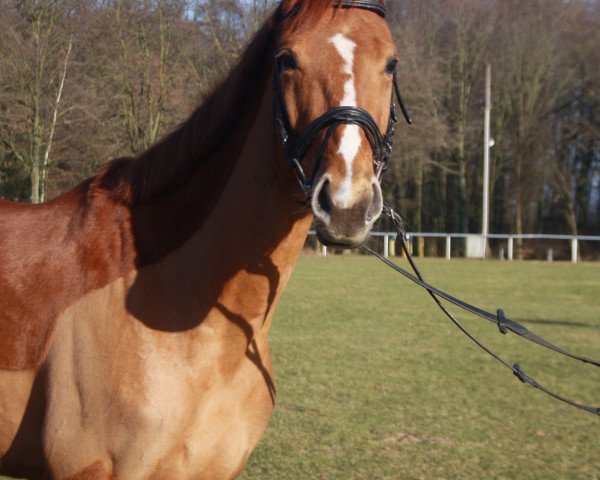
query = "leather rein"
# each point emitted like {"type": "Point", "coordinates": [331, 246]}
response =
{"type": "Point", "coordinates": [296, 146]}
{"type": "Point", "coordinates": [504, 324]}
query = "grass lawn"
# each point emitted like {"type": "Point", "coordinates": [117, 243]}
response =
{"type": "Point", "coordinates": [374, 383]}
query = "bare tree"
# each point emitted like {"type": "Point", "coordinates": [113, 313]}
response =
{"type": "Point", "coordinates": [226, 26]}
{"type": "Point", "coordinates": [416, 31]}
{"type": "Point", "coordinates": [34, 61]}
{"type": "Point", "coordinates": [146, 63]}
{"type": "Point", "coordinates": [470, 27]}
{"type": "Point", "coordinates": [531, 90]}
{"type": "Point", "coordinates": [576, 119]}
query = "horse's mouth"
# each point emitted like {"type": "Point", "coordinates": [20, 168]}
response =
{"type": "Point", "coordinates": [337, 240]}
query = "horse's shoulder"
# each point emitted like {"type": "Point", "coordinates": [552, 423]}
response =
{"type": "Point", "coordinates": [52, 254]}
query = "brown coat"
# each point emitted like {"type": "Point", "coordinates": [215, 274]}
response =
{"type": "Point", "coordinates": [135, 309]}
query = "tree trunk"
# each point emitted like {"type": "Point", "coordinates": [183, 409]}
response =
{"type": "Point", "coordinates": [419, 207]}
{"type": "Point", "coordinates": [35, 183]}
{"type": "Point", "coordinates": [518, 210]}
{"type": "Point", "coordinates": [46, 157]}
{"type": "Point", "coordinates": [34, 151]}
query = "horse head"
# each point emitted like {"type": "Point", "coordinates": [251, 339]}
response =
{"type": "Point", "coordinates": [333, 82]}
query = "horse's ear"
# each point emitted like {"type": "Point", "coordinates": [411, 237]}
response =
{"type": "Point", "coordinates": [289, 8]}
{"type": "Point", "coordinates": [289, 5]}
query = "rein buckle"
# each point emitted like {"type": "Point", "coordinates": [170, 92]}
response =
{"type": "Point", "coordinates": [501, 321]}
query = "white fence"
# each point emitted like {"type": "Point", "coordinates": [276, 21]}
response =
{"type": "Point", "coordinates": [389, 241]}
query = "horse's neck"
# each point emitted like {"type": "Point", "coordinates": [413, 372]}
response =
{"type": "Point", "coordinates": [242, 254]}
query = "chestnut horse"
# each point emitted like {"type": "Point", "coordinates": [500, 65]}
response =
{"type": "Point", "coordinates": [135, 309]}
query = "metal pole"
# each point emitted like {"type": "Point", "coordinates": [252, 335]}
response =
{"type": "Point", "coordinates": [486, 155]}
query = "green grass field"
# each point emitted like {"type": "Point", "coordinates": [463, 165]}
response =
{"type": "Point", "coordinates": [374, 383]}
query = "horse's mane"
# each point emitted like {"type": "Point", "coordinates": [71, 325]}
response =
{"type": "Point", "coordinates": [168, 163]}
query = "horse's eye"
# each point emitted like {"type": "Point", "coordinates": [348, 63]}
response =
{"type": "Point", "coordinates": [286, 61]}
{"type": "Point", "coordinates": [391, 65]}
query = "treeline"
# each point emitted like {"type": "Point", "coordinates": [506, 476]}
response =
{"type": "Point", "coordinates": [84, 81]}
{"type": "Point", "coordinates": [545, 161]}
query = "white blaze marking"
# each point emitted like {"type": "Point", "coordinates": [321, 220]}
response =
{"type": "Point", "coordinates": [350, 142]}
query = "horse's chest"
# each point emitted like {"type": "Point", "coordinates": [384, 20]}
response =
{"type": "Point", "coordinates": [156, 411]}
{"type": "Point", "coordinates": [215, 426]}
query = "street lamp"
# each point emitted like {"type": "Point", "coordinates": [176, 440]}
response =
{"type": "Point", "coordinates": [487, 143]}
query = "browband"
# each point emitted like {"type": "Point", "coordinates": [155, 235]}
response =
{"type": "Point", "coordinates": [373, 5]}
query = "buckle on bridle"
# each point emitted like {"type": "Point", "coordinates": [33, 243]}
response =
{"type": "Point", "coordinates": [285, 136]}
{"type": "Point", "coordinates": [393, 113]}
{"type": "Point", "coordinates": [302, 180]}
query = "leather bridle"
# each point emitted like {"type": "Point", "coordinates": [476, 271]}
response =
{"type": "Point", "coordinates": [295, 145]}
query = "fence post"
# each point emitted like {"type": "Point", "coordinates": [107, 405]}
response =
{"type": "Point", "coordinates": [409, 241]}
{"type": "Point", "coordinates": [448, 247]}
{"type": "Point", "coordinates": [574, 250]}
{"type": "Point", "coordinates": [393, 247]}
{"type": "Point", "coordinates": [322, 249]}
{"type": "Point", "coordinates": [386, 245]}
{"type": "Point", "coordinates": [510, 248]}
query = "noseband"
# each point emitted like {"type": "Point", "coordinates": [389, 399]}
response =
{"type": "Point", "coordinates": [296, 145]}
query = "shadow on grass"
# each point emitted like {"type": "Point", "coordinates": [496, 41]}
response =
{"type": "Point", "coordinates": [562, 323]}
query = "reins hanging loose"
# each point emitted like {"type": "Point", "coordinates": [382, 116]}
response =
{"type": "Point", "coordinates": [504, 324]}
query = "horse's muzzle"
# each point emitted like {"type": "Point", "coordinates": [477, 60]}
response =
{"type": "Point", "coordinates": [345, 225]}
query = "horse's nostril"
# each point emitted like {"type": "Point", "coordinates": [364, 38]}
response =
{"type": "Point", "coordinates": [376, 206]}
{"type": "Point", "coordinates": [323, 198]}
